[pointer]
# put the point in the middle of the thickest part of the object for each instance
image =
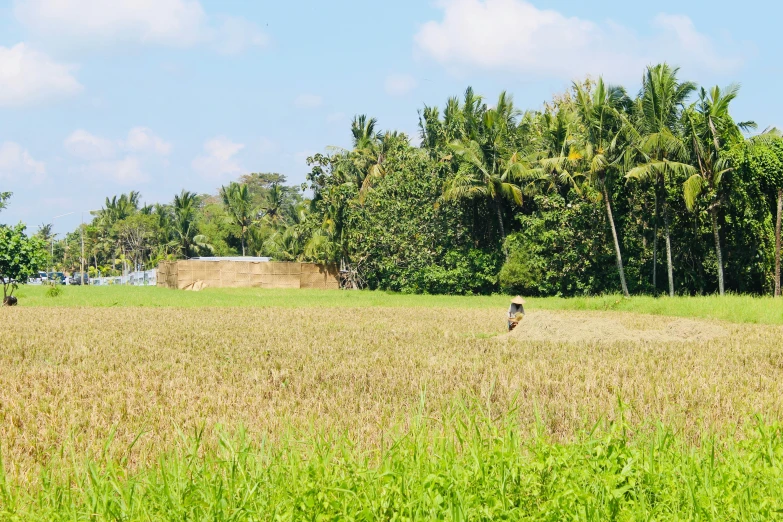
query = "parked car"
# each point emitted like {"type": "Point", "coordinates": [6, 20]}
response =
{"type": "Point", "coordinates": [37, 279]}
{"type": "Point", "coordinates": [77, 279]}
{"type": "Point", "coordinates": [57, 277]}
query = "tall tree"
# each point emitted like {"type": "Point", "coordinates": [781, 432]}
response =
{"type": "Point", "coordinates": [557, 153]}
{"type": "Point", "coordinates": [763, 155]}
{"type": "Point", "coordinates": [20, 257]}
{"type": "Point", "coordinates": [184, 225]}
{"type": "Point", "coordinates": [600, 112]}
{"type": "Point", "coordinates": [490, 178]}
{"type": "Point", "coordinates": [239, 205]}
{"type": "Point", "coordinates": [366, 158]}
{"type": "Point", "coordinates": [136, 234]}
{"type": "Point", "coordinates": [274, 204]}
{"type": "Point", "coordinates": [710, 129]}
{"type": "Point", "coordinates": [45, 232]}
{"type": "Point", "coordinates": [659, 144]}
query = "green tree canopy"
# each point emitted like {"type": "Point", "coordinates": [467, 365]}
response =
{"type": "Point", "coordinates": [20, 257]}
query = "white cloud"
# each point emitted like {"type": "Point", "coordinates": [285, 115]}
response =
{"type": "Point", "coordinates": [125, 171]}
{"type": "Point", "coordinates": [219, 158]}
{"type": "Point", "coordinates": [399, 84]}
{"type": "Point", "coordinates": [16, 164]}
{"type": "Point", "coordinates": [516, 36]}
{"type": "Point", "coordinates": [178, 23]}
{"type": "Point", "coordinates": [235, 34]}
{"type": "Point", "coordinates": [28, 76]}
{"type": "Point", "coordinates": [308, 101]}
{"type": "Point", "coordinates": [171, 22]}
{"type": "Point", "coordinates": [87, 146]}
{"type": "Point", "coordinates": [120, 160]}
{"type": "Point", "coordinates": [142, 139]}
{"type": "Point", "coordinates": [679, 34]}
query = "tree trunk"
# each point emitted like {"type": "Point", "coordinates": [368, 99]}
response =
{"type": "Point", "coordinates": [243, 245]}
{"type": "Point", "coordinates": [655, 245]}
{"type": "Point", "coordinates": [777, 242]}
{"type": "Point", "coordinates": [669, 269]}
{"type": "Point", "coordinates": [616, 243]}
{"type": "Point", "coordinates": [500, 224]}
{"type": "Point", "coordinates": [718, 253]}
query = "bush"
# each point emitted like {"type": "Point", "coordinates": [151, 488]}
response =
{"type": "Point", "coordinates": [54, 290]}
{"type": "Point", "coordinates": [563, 250]}
{"type": "Point", "coordinates": [519, 274]}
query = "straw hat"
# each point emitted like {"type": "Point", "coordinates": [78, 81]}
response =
{"type": "Point", "coordinates": [518, 300]}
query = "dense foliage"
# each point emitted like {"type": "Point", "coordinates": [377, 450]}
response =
{"type": "Point", "coordinates": [598, 191]}
{"type": "Point", "coordinates": [20, 257]}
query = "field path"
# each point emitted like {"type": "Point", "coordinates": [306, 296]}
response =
{"type": "Point", "coordinates": [608, 327]}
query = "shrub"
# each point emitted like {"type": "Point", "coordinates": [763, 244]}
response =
{"type": "Point", "coordinates": [54, 290]}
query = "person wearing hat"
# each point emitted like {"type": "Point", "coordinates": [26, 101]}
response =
{"type": "Point", "coordinates": [515, 308]}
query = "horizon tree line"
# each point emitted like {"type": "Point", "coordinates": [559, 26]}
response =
{"type": "Point", "coordinates": [495, 198]}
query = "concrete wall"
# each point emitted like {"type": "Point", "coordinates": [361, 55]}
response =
{"type": "Point", "coordinates": [238, 274]}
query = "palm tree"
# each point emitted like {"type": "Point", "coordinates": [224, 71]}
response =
{"type": "Point", "coordinates": [490, 163]}
{"type": "Point", "coordinates": [599, 111]}
{"type": "Point", "coordinates": [286, 245]}
{"type": "Point", "coordinates": [4, 197]}
{"type": "Point", "coordinates": [710, 128]}
{"type": "Point", "coordinates": [184, 226]}
{"type": "Point", "coordinates": [461, 121]}
{"type": "Point", "coordinates": [485, 177]}
{"type": "Point", "coordinates": [376, 169]}
{"type": "Point", "coordinates": [119, 208]}
{"type": "Point", "coordinates": [239, 204]}
{"type": "Point", "coordinates": [658, 144]}
{"type": "Point", "coordinates": [363, 131]}
{"type": "Point", "coordinates": [45, 232]}
{"type": "Point", "coordinates": [557, 156]}
{"type": "Point", "coordinates": [362, 161]}
{"type": "Point", "coordinates": [274, 205]}
{"type": "Point", "coordinates": [431, 130]}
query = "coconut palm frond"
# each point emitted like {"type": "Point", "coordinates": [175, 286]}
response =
{"type": "Point", "coordinates": [692, 189]}
{"type": "Point", "coordinates": [510, 192]}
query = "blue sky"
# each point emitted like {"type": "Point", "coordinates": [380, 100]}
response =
{"type": "Point", "coordinates": [99, 98]}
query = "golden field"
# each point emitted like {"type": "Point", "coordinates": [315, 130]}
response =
{"type": "Point", "coordinates": [73, 378]}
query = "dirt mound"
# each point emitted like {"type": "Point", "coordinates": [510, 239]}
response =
{"type": "Point", "coordinates": [581, 327]}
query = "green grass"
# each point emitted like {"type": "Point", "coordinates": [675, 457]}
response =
{"type": "Point", "coordinates": [465, 466]}
{"type": "Point", "coordinates": [733, 308]}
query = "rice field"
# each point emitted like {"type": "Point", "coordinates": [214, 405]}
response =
{"type": "Point", "coordinates": [364, 406]}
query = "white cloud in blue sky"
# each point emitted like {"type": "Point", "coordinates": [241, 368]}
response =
{"type": "Point", "coordinates": [84, 145]}
{"type": "Point", "coordinates": [169, 22]}
{"type": "Point", "coordinates": [219, 159]}
{"type": "Point", "coordinates": [28, 77]}
{"type": "Point", "coordinates": [177, 23]}
{"type": "Point", "coordinates": [125, 161]}
{"type": "Point", "coordinates": [16, 162]}
{"type": "Point", "coordinates": [515, 36]}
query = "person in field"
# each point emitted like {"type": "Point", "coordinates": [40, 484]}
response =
{"type": "Point", "coordinates": [515, 312]}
